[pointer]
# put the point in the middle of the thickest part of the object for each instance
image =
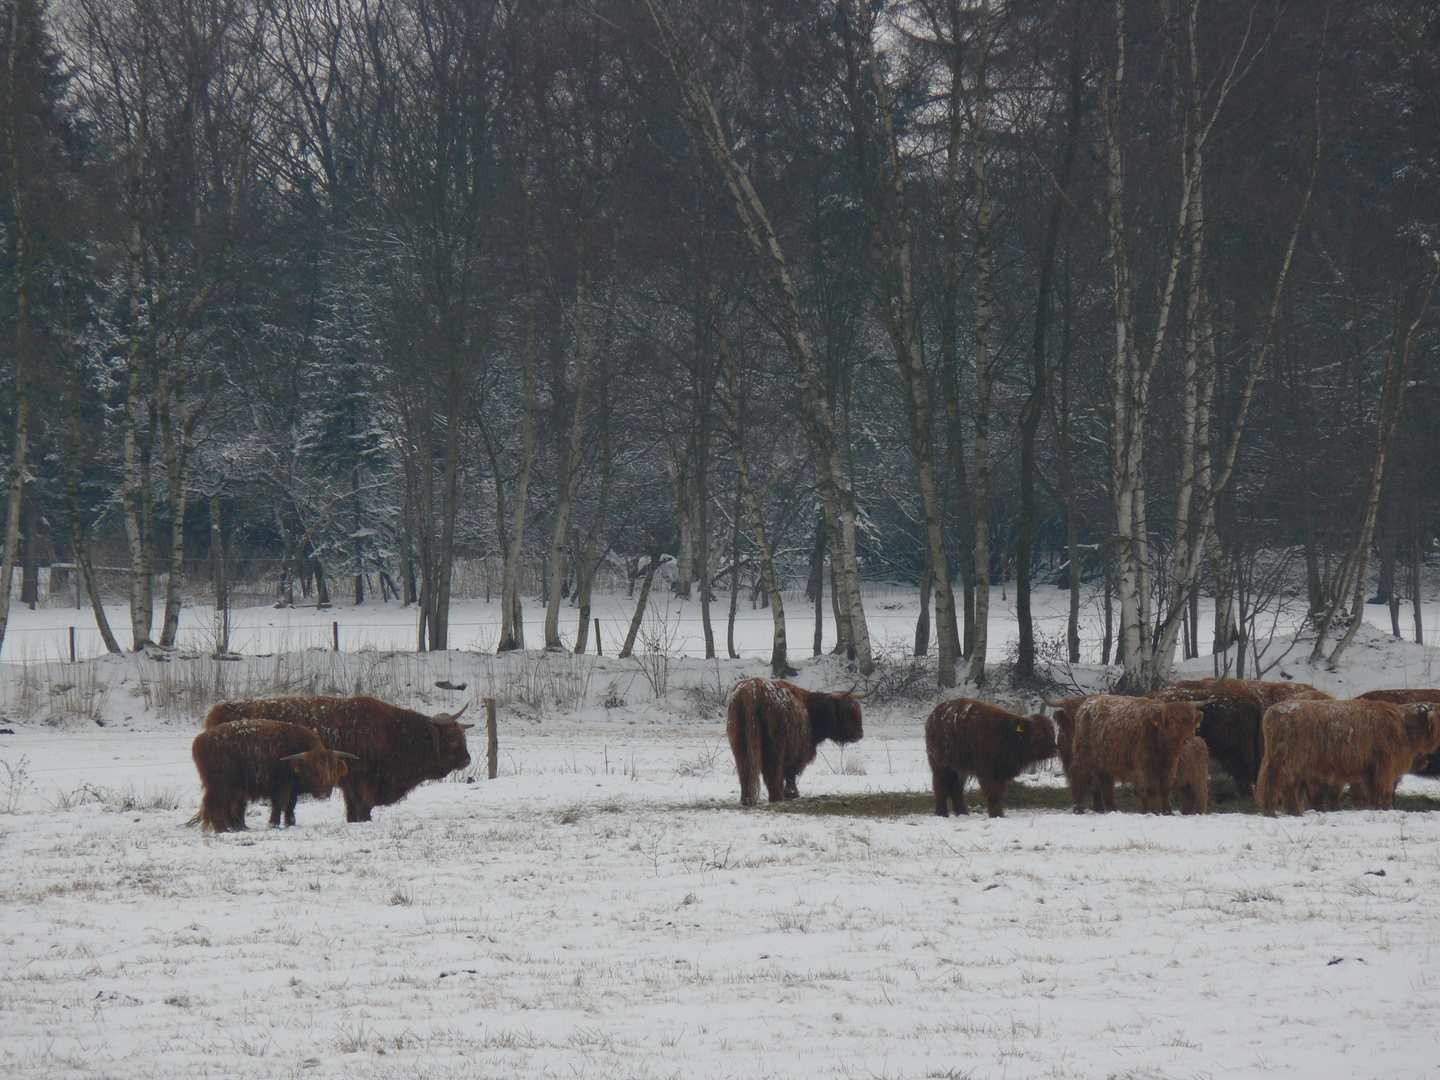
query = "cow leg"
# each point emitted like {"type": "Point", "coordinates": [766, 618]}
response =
{"type": "Point", "coordinates": [277, 809]}
{"type": "Point", "coordinates": [958, 781]}
{"type": "Point", "coordinates": [994, 792]}
{"type": "Point", "coordinates": [1080, 781]}
{"type": "Point", "coordinates": [1105, 792]}
{"type": "Point", "coordinates": [1165, 805]}
{"type": "Point", "coordinates": [238, 806]}
{"type": "Point", "coordinates": [357, 807]}
{"type": "Point", "coordinates": [749, 785]}
{"type": "Point", "coordinates": [774, 781]}
{"type": "Point", "coordinates": [1294, 799]}
{"type": "Point", "coordinates": [792, 790]}
{"type": "Point", "coordinates": [290, 807]}
{"type": "Point", "coordinates": [940, 780]}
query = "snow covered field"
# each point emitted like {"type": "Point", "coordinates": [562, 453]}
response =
{"type": "Point", "coordinates": [604, 909]}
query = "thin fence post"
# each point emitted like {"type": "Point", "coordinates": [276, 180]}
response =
{"type": "Point", "coordinates": [598, 650]}
{"type": "Point", "coordinates": [492, 740]}
{"type": "Point", "coordinates": [72, 644]}
{"type": "Point", "coordinates": [335, 635]}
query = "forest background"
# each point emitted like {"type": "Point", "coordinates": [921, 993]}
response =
{"type": "Point", "coordinates": [330, 295]}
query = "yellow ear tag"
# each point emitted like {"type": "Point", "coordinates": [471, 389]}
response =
{"type": "Point", "coordinates": [1020, 727]}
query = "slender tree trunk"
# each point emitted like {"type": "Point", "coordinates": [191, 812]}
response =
{"type": "Point", "coordinates": [817, 564]}
{"type": "Point", "coordinates": [1039, 361]}
{"type": "Point", "coordinates": [950, 324]}
{"type": "Point", "coordinates": [984, 273]}
{"type": "Point", "coordinates": [922, 621]}
{"type": "Point", "coordinates": [640, 604]}
{"type": "Point", "coordinates": [512, 629]}
{"type": "Point", "coordinates": [764, 243]}
{"type": "Point", "coordinates": [734, 425]}
{"type": "Point", "coordinates": [592, 555]}
{"type": "Point", "coordinates": [877, 147]}
{"type": "Point", "coordinates": [734, 575]}
{"type": "Point", "coordinates": [217, 570]}
{"type": "Point", "coordinates": [569, 479]}
{"type": "Point", "coordinates": [1417, 561]}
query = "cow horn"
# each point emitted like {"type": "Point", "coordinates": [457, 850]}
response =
{"type": "Point", "coordinates": [465, 727]}
{"type": "Point", "coordinates": [859, 697]}
{"type": "Point", "coordinates": [293, 757]}
{"type": "Point", "coordinates": [347, 757]}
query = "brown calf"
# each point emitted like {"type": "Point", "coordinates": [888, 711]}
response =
{"type": "Point", "coordinates": [1131, 740]}
{"type": "Point", "coordinates": [396, 749]}
{"type": "Point", "coordinates": [1192, 776]}
{"type": "Point", "coordinates": [774, 729]}
{"type": "Point", "coordinates": [261, 759]}
{"type": "Point", "coordinates": [965, 738]}
{"type": "Point", "coordinates": [1230, 725]}
{"type": "Point", "coordinates": [1313, 748]}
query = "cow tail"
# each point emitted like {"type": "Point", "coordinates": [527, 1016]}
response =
{"type": "Point", "coordinates": [745, 743]}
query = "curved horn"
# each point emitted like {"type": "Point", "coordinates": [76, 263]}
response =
{"type": "Point", "coordinates": [293, 757]}
{"type": "Point", "coordinates": [861, 697]}
{"type": "Point", "coordinates": [446, 718]}
{"type": "Point", "coordinates": [347, 757]}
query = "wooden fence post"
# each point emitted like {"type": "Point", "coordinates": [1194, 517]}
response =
{"type": "Point", "coordinates": [492, 740]}
{"type": "Point", "coordinates": [72, 644]}
{"type": "Point", "coordinates": [598, 650]}
{"type": "Point", "coordinates": [335, 635]}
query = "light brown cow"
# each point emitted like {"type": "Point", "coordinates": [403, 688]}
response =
{"type": "Point", "coordinates": [1192, 776]}
{"type": "Point", "coordinates": [1132, 740]}
{"type": "Point", "coordinates": [1314, 748]}
{"type": "Point", "coordinates": [1429, 766]}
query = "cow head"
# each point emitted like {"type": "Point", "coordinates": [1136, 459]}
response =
{"type": "Point", "coordinates": [450, 742]}
{"type": "Point", "coordinates": [1038, 734]}
{"type": "Point", "coordinates": [320, 770]}
{"type": "Point", "coordinates": [1175, 721]}
{"type": "Point", "coordinates": [845, 726]}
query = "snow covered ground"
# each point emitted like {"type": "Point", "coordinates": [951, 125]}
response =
{"type": "Point", "coordinates": [605, 909]}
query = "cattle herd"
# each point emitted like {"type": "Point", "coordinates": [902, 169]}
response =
{"type": "Point", "coordinates": [1283, 741]}
{"type": "Point", "coordinates": [1280, 740]}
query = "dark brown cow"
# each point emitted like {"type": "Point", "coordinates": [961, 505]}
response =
{"type": "Point", "coordinates": [965, 738]}
{"type": "Point", "coordinates": [1130, 740]}
{"type": "Point", "coordinates": [1430, 765]}
{"type": "Point", "coordinates": [261, 759]}
{"type": "Point", "coordinates": [1314, 748]}
{"type": "Point", "coordinates": [1230, 725]}
{"type": "Point", "coordinates": [397, 749]}
{"type": "Point", "coordinates": [1269, 693]}
{"type": "Point", "coordinates": [774, 728]}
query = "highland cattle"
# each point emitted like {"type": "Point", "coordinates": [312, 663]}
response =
{"type": "Point", "coordinates": [261, 759]}
{"type": "Point", "coordinates": [396, 749]}
{"type": "Point", "coordinates": [774, 729]}
{"type": "Point", "coordinates": [1316, 747]}
{"type": "Point", "coordinates": [1131, 740]}
{"type": "Point", "coordinates": [965, 738]}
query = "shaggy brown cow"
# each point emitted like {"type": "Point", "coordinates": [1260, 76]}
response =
{"type": "Point", "coordinates": [261, 759]}
{"type": "Point", "coordinates": [1131, 740]}
{"type": "Point", "coordinates": [397, 749]}
{"type": "Point", "coordinates": [774, 728]}
{"type": "Point", "coordinates": [1192, 776]}
{"type": "Point", "coordinates": [1230, 725]}
{"type": "Point", "coordinates": [965, 738]}
{"type": "Point", "coordinates": [1316, 747]}
{"type": "Point", "coordinates": [1430, 766]}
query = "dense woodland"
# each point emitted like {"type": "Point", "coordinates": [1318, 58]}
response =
{"type": "Point", "coordinates": [330, 293]}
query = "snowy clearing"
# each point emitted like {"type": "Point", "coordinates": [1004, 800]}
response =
{"type": "Point", "coordinates": [604, 908]}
